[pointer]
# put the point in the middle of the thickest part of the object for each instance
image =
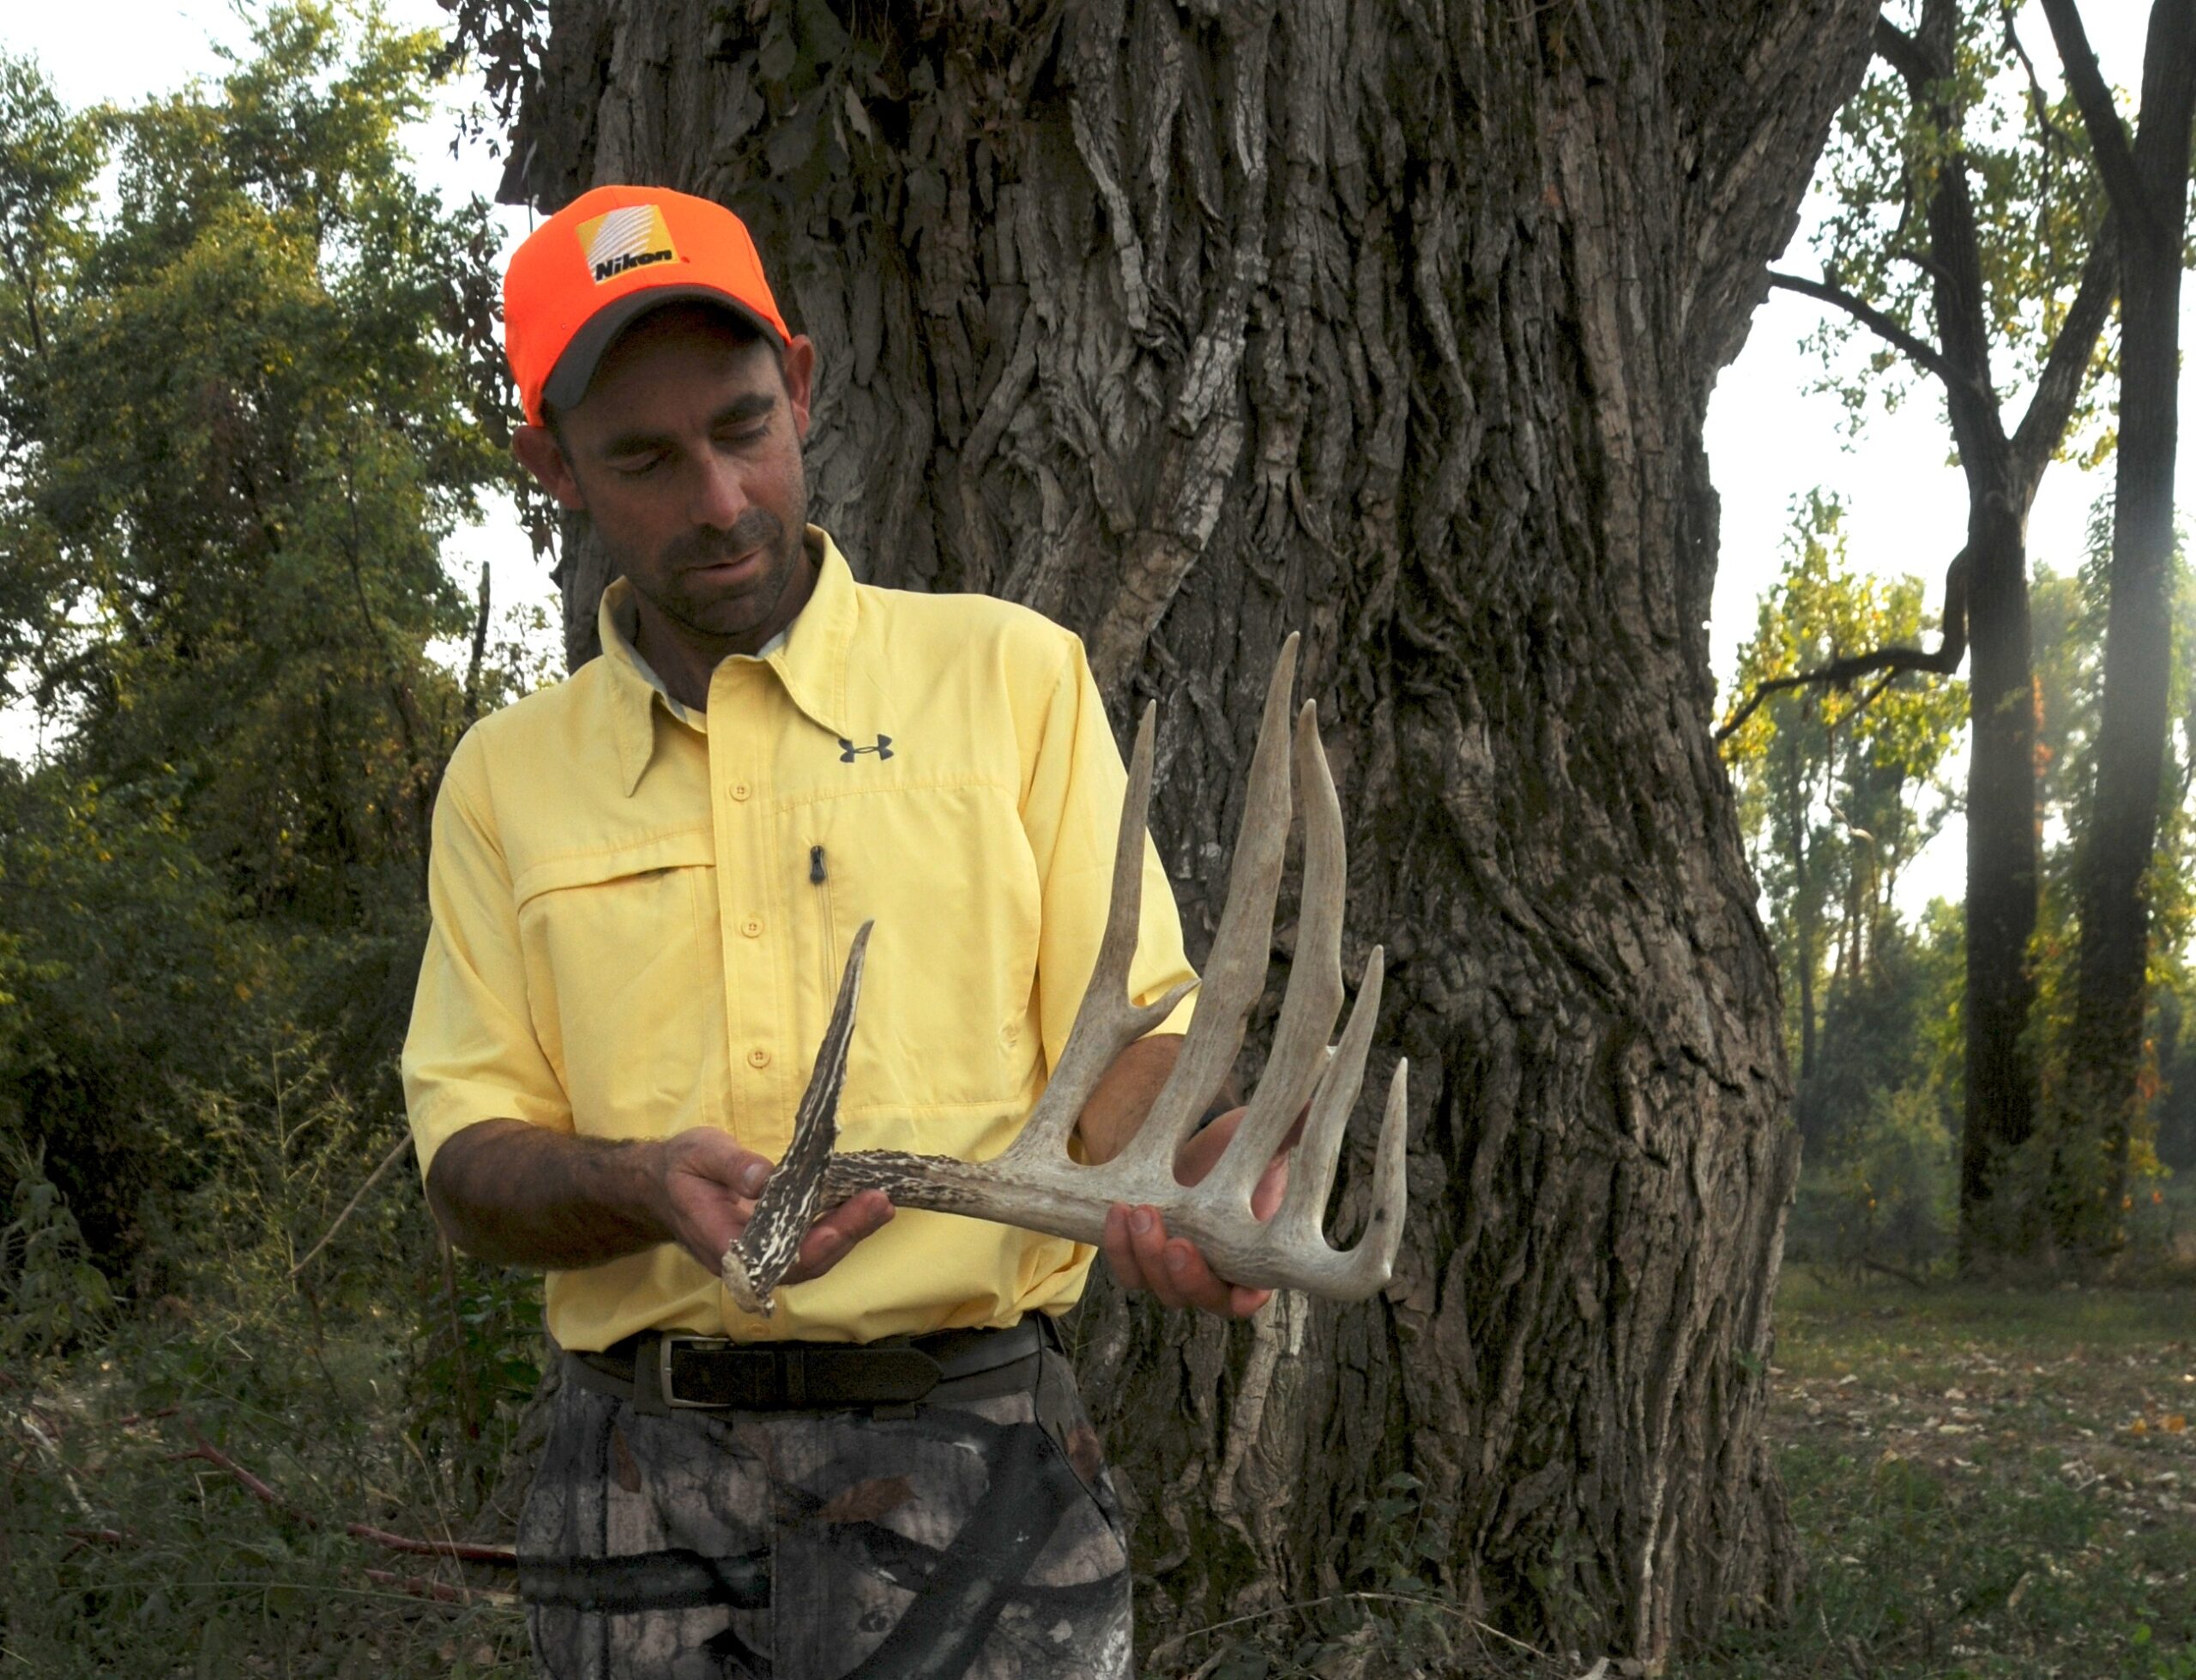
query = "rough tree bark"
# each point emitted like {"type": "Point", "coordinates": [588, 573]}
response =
{"type": "Point", "coordinates": [2147, 182]}
{"type": "Point", "coordinates": [1395, 321]}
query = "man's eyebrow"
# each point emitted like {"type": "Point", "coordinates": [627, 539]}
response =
{"type": "Point", "coordinates": [739, 412]}
{"type": "Point", "coordinates": [741, 409]}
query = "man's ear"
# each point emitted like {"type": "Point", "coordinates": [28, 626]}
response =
{"type": "Point", "coordinates": [800, 365]}
{"type": "Point", "coordinates": [540, 453]}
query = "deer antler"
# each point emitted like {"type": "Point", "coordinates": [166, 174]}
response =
{"type": "Point", "coordinates": [1036, 1185]}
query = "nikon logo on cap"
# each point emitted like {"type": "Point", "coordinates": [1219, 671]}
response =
{"type": "Point", "coordinates": [632, 238]}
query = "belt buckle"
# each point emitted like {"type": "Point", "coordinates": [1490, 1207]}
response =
{"type": "Point", "coordinates": [663, 1368]}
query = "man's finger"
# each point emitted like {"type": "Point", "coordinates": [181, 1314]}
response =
{"type": "Point", "coordinates": [1243, 1301]}
{"type": "Point", "coordinates": [1119, 1252]}
{"type": "Point", "coordinates": [1192, 1278]}
{"type": "Point", "coordinates": [711, 1158]}
{"type": "Point", "coordinates": [832, 1238]}
{"type": "Point", "coordinates": [1148, 1241]}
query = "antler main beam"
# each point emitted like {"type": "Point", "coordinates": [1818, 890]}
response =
{"type": "Point", "coordinates": [1036, 1185]}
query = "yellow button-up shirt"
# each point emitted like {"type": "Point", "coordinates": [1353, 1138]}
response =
{"type": "Point", "coordinates": [640, 916]}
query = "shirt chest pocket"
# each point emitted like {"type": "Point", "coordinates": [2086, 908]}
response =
{"type": "Point", "coordinates": [945, 1021]}
{"type": "Point", "coordinates": [625, 978]}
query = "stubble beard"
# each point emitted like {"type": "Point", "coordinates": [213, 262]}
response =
{"type": "Point", "coordinates": [712, 615]}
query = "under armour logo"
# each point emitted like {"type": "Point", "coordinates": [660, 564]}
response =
{"type": "Point", "coordinates": [848, 752]}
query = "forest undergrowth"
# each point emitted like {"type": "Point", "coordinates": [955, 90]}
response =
{"type": "Point", "coordinates": [291, 1470]}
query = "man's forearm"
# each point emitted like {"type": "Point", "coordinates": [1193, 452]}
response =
{"type": "Point", "coordinates": [516, 1194]}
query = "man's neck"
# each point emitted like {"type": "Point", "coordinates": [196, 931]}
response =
{"type": "Point", "coordinates": [685, 658]}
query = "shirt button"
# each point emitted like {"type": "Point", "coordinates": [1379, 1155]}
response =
{"type": "Point", "coordinates": [758, 1057]}
{"type": "Point", "coordinates": [752, 927]}
{"type": "Point", "coordinates": [741, 789]}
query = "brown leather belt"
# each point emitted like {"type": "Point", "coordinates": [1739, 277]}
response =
{"type": "Point", "coordinates": [663, 1371]}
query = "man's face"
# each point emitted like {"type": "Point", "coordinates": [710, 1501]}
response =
{"type": "Point", "coordinates": [685, 452]}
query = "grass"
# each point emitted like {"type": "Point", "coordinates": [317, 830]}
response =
{"type": "Point", "coordinates": [1985, 1483]}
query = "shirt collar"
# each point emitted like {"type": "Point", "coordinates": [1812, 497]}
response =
{"type": "Point", "coordinates": [809, 656]}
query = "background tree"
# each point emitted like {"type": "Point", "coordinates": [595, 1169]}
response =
{"type": "Point", "coordinates": [1839, 788]}
{"type": "Point", "coordinates": [2146, 181]}
{"type": "Point", "coordinates": [1395, 325]}
{"type": "Point", "coordinates": [245, 402]}
{"type": "Point", "coordinates": [2069, 1161]}
{"type": "Point", "coordinates": [48, 158]}
{"type": "Point", "coordinates": [1969, 239]}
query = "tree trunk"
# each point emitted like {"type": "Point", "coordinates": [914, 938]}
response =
{"type": "Point", "coordinates": [2104, 1062]}
{"type": "Point", "coordinates": [2002, 847]}
{"type": "Point", "coordinates": [2002, 843]}
{"type": "Point", "coordinates": [1189, 324]}
{"type": "Point", "coordinates": [2004, 470]}
{"type": "Point", "coordinates": [1803, 935]}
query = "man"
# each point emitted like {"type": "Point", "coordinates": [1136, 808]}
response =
{"type": "Point", "coordinates": [644, 881]}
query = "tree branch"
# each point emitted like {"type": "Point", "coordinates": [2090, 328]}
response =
{"type": "Point", "coordinates": [2039, 104]}
{"type": "Point", "coordinates": [463, 1549]}
{"type": "Point", "coordinates": [1911, 1280]}
{"type": "Point", "coordinates": [472, 707]}
{"type": "Point", "coordinates": [1941, 661]}
{"type": "Point", "coordinates": [2067, 369]}
{"type": "Point", "coordinates": [2115, 154]}
{"type": "Point", "coordinates": [351, 1206]}
{"type": "Point", "coordinates": [1916, 350]}
{"type": "Point", "coordinates": [1907, 55]}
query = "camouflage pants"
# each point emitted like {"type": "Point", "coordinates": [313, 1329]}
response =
{"type": "Point", "coordinates": [977, 1537]}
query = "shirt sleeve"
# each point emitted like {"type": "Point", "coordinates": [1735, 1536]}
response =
{"type": "Point", "coordinates": [471, 1053]}
{"type": "Point", "coordinates": [1072, 812]}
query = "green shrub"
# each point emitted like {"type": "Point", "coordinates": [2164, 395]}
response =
{"type": "Point", "coordinates": [1886, 1195]}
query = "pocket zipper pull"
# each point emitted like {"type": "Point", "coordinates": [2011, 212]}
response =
{"type": "Point", "coordinates": [816, 864]}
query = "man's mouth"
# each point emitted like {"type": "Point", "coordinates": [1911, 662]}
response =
{"type": "Point", "coordinates": [718, 571]}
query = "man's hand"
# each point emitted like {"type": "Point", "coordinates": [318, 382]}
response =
{"type": "Point", "coordinates": [516, 1194]}
{"type": "Point", "coordinates": [709, 1188]}
{"type": "Point", "coordinates": [1144, 1256]}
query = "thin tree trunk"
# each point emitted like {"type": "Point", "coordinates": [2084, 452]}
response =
{"type": "Point", "coordinates": [1803, 934]}
{"type": "Point", "coordinates": [2105, 1053]}
{"type": "Point", "coordinates": [2004, 470]}
{"type": "Point", "coordinates": [1395, 323]}
{"type": "Point", "coordinates": [2002, 848]}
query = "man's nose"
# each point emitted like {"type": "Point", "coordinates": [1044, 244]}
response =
{"type": "Point", "coordinates": [720, 497]}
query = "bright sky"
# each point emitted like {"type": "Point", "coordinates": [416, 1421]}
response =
{"type": "Point", "coordinates": [124, 50]}
{"type": "Point", "coordinates": [1768, 439]}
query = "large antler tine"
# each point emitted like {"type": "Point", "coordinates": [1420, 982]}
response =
{"type": "Point", "coordinates": [1314, 995]}
{"type": "Point", "coordinates": [1312, 1169]}
{"type": "Point", "coordinates": [1235, 969]}
{"type": "Point", "coordinates": [755, 1264]}
{"type": "Point", "coordinates": [1105, 1023]}
{"type": "Point", "coordinates": [1372, 1261]}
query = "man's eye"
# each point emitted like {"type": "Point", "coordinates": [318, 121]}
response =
{"type": "Point", "coordinates": [636, 466]}
{"type": "Point", "coordinates": [741, 436]}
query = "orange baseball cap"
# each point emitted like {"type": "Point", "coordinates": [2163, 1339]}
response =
{"type": "Point", "coordinates": [609, 255]}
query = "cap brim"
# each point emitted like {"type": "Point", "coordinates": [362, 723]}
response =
{"type": "Point", "coordinates": [568, 379]}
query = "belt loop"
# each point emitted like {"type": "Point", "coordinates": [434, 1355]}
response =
{"type": "Point", "coordinates": [792, 1378]}
{"type": "Point", "coordinates": [649, 1355]}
